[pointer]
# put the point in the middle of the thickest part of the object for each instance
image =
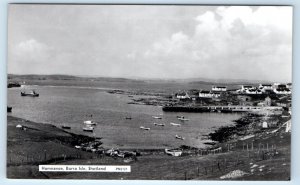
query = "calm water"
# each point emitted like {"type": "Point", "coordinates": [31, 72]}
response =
{"type": "Point", "coordinates": [71, 106]}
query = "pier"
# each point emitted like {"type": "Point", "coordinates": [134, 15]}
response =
{"type": "Point", "coordinates": [222, 109]}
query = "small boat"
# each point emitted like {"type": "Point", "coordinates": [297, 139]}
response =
{"type": "Point", "coordinates": [128, 118]}
{"type": "Point", "coordinates": [156, 117]}
{"type": "Point", "coordinates": [175, 124]}
{"type": "Point", "coordinates": [65, 127]}
{"type": "Point", "coordinates": [89, 122]}
{"type": "Point", "coordinates": [144, 128]}
{"type": "Point", "coordinates": [174, 152]}
{"type": "Point", "coordinates": [9, 109]}
{"type": "Point", "coordinates": [179, 137]}
{"type": "Point", "coordinates": [183, 119]}
{"type": "Point", "coordinates": [88, 129]}
{"type": "Point", "coordinates": [159, 124]}
{"type": "Point", "coordinates": [31, 94]}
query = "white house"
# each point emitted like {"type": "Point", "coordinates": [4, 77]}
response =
{"type": "Point", "coordinates": [253, 91]}
{"type": "Point", "coordinates": [246, 87]}
{"type": "Point", "coordinates": [282, 91]}
{"type": "Point", "coordinates": [289, 85]}
{"type": "Point", "coordinates": [205, 94]}
{"type": "Point", "coordinates": [265, 87]}
{"type": "Point", "coordinates": [209, 94]}
{"type": "Point", "coordinates": [219, 88]}
{"type": "Point", "coordinates": [183, 96]}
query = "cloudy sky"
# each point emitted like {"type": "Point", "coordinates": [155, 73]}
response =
{"type": "Point", "coordinates": [236, 42]}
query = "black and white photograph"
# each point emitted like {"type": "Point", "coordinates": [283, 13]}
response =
{"type": "Point", "coordinates": [149, 92]}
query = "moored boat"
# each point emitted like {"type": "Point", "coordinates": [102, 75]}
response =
{"type": "Point", "coordinates": [159, 124]}
{"type": "Point", "coordinates": [182, 118]}
{"type": "Point", "coordinates": [31, 94]}
{"type": "Point", "coordinates": [144, 128]}
{"type": "Point", "coordinates": [88, 129]}
{"type": "Point", "coordinates": [89, 122]}
{"type": "Point", "coordinates": [174, 152]}
{"type": "Point", "coordinates": [175, 124]}
{"type": "Point", "coordinates": [179, 137]}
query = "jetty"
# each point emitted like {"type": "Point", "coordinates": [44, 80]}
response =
{"type": "Point", "coordinates": [222, 109]}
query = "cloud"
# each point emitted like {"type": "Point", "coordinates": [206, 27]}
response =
{"type": "Point", "coordinates": [32, 49]}
{"type": "Point", "coordinates": [29, 56]}
{"type": "Point", "coordinates": [231, 42]}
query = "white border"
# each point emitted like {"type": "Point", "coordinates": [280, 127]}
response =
{"type": "Point", "coordinates": [296, 87]}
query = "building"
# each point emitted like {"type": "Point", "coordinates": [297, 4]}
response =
{"type": "Point", "coordinates": [265, 87]}
{"type": "Point", "coordinates": [182, 96]}
{"type": "Point", "coordinates": [265, 103]}
{"type": "Point", "coordinates": [253, 91]}
{"type": "Point", "coordinates": [268, 101]}
{"type": "Point", "coordinates": [209, 94]}
{"type": "Point", "coordinates": [246, 87]}
{"type": "Point", "coordinates": [219, 88]}
{"type": "Point", "coordinates": [282, 90]}
{"type": "Point", "coordinates": [205, 94]}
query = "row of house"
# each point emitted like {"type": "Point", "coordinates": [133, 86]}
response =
{"type": "Point", "coordinates": [276, 88]}
{"type": "Point", "coordinates": [215, 92]}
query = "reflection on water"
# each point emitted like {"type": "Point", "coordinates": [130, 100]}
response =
{"type": "Point", "coordinates": [71, 106]}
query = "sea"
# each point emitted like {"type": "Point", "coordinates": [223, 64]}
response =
{"type": "Point", "coordinates": [72, 105]}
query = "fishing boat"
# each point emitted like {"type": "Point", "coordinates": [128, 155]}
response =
{"type": "Point", "coordinates": [89, 122]}
{"type": "Point", "coordinates": [65, 127]}
{"type": "Point", "coordinates": [144, 128]}
{"type": "Point", "coordinates": [179, 137]}
{"type": "Point", "coordinates": [31, 94]}
{"type": "Point", "coordinates": [174, 152]}
{"type": "Point", "coordinates": [9, 109]}
{"type": "Point", "coordinates": [156, 117]}
{"type": "Point", "coordinates": [159, 124]}
{"type": "Point", "coordinates": [175, 124]}
{"type": "Point", "coordinates": [88, 129]}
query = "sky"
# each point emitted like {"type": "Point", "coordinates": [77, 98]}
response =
{"type": "Point", "coordinates": [147, 41]}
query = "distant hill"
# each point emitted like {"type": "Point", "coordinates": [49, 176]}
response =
{"type": "Point", "coordinates": [68, 77]}
{"type": "Point", "coordinates": [136, 80]}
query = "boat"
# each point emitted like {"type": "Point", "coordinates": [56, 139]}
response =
{"type": "Point", "coordinates": [65, 127]}
{"type": "Point", "coordinates": [175, 124]}
{"type": "Point", "coordinates": [179, 137]}
{"type": "Point", "coordinates": [89, 122]}
{"type": "Point", "coordinates": [88, 129]}
{"type": "Point", "coordinates": [159, 124]}
{"type": "Point", "coordinates": [144, 128]}
{"type": "Point", "coordinates": [128, 118]}
{"type": "Point", "coordinates": [174, 152]}
{"type": "Point", "coordinates": [181, 118]}
{"type": "Point", "coordinates": [156, 117]}
{"type": "Point", "coordinates": [9, 109]}
{"type": "Point", "coordinates": [31, 94]}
